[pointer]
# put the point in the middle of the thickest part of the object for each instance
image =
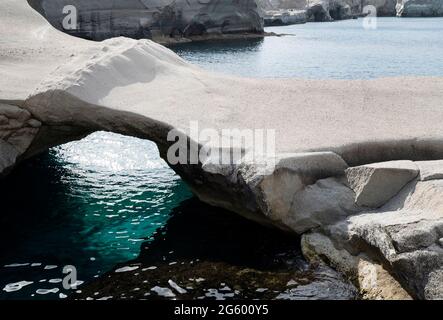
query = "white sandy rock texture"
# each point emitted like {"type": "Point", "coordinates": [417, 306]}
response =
{"type": "Point", "coordinates": [155, 19]}
{"type": "Point", "coordinates": [55, 88]}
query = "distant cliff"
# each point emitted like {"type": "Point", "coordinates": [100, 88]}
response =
{"type": "Point", "coordinates": [155, 19]}
{"type": "Point", "coordinates": [420, 8]}
{"type": "Point", "coordinates": [329, 10]}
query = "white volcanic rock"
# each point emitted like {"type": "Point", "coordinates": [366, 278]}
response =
{"type": "Point", "coordinates": [320, 204]}
{"type": "Point", "coordinates": [73, 87]}
{"type": "Point", "coordinates": [320, 10]}
{"type": "Point", "coordinates": [288, 4]}
{"type": "Point", "coordinates": [125, 75]}
{"type": "Point", "coordinates": [17, 131]}
{"type": "Point", "coordinates": [419, 8]}
{"type": "Point", "coordinates": [404, 234]}
{"type": "Point", "coordinates": [374, 184]}
{"type": "Point", "coordinates": [430, 170]}
{"type": "Point", "coordinates": [284, 17]}
{"type": "Point", "coordinates": [328, 10]}
{"type": "Point", "coordinates": [384, 7]}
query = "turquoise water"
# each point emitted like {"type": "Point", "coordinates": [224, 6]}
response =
{"type": "Point", "coordinates": [338, 50]}
{"type": "Point", "coordinates": [93, 203]}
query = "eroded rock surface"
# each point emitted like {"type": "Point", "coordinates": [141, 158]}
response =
{"type": "Point", "coordinates": [374, 281]}
{"type": "Point", "coordinates": [154, 19]}
{"type": "Point", "coordinates": [430, 170]}
{"type": "Point", "coordinates": [17, 131]}
{"type": "Point", "coordinates": [376, 183]}
{"type": "Point", "coordinates": [284, 17]}
{"type": "Point", "coordinates": [329, 10]}
{"type": "Point", "coordinates": [419, 8]}
{"type": "Point", "coordinates": [385, 8]}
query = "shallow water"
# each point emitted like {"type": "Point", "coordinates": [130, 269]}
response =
{"type": "Point", "coordinates": [93, 203]}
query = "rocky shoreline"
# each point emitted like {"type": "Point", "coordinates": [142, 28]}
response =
{"type": "Point", "coordinates": [358, 168]}
{"type": "Point", "coordinates": [284, 12]}
{"type": "Point", "coordinates": [197, 256]}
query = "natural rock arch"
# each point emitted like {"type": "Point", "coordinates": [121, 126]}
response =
{"type": "Point", "coordinates": [55, 88]}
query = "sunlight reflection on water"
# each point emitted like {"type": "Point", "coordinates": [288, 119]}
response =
{"type": "Point", "coordinates": [104, 196]}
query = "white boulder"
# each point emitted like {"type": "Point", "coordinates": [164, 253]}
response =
{"type": "Point", "coordinates": [430, 170]}
{"type": "Point", "coordinates": [374, 184]}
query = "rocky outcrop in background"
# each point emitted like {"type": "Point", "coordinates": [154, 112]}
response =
{"type": "Point", "coordinates": [313, 10]}
{"type": "Point", "coordinates": [155, 19]}
{"type": "Point", "coordinates": [398, 231]}
{"type": "Point", "coordinates": [168, 20]}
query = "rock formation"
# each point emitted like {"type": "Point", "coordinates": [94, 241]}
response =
{"type": "Point", "coordinates": [376, 183]}
{"type": "Point", "coordinates": [403, 237]}
{"type": "Point", "coordinates": [155, 19]}
{"type": "Point", "coordinates": [385, 8]}
{"type": "Point", "coordinates": [284, 17]}
{"type": "Point", "coordinates": [385, 234]}
{"type": "Point", "coordinates": [420, 8]}
{"type": "Point", "coordinates": [17, 131]}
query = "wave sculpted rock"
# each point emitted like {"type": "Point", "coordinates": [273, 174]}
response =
{"type": "Point", "coordinates": [55, 88]}
{"type": "Point", "coordinates": [155, 19]}
{"type": "Point", "coordinates": [420, 8]}
{"type": "Point", "coordinates": [403, 238]}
